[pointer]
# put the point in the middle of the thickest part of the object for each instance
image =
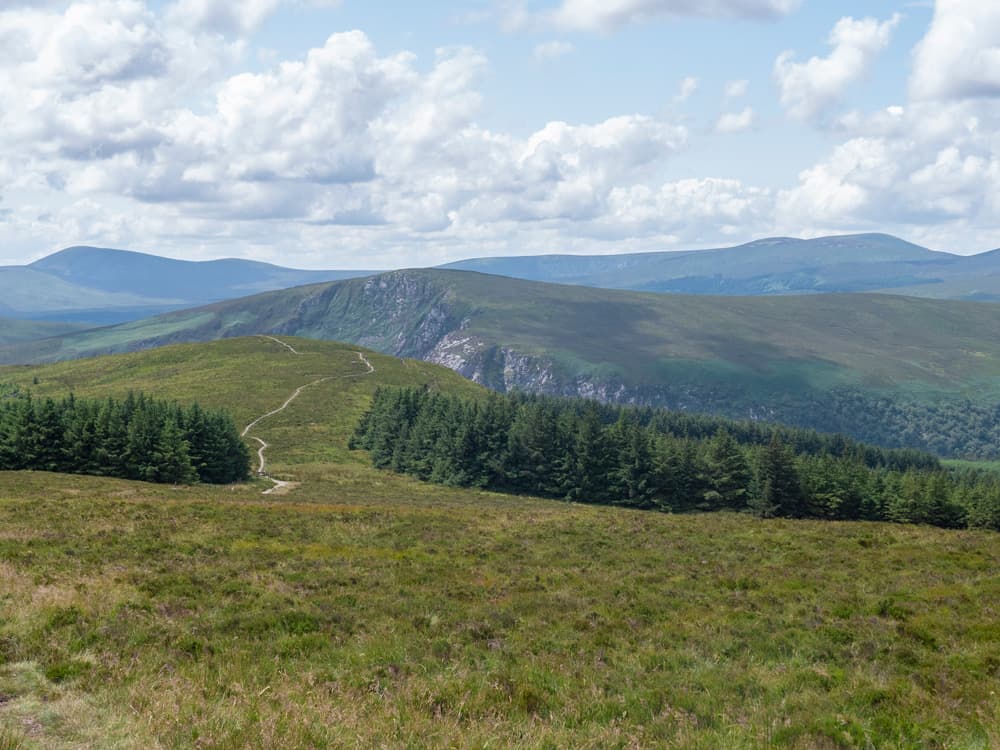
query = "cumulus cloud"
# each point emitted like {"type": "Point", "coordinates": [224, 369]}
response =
{"type": "Point", "coordinates": [343, 140]}
{"type": "Point", "coordinates": [97, 79]}
{"type": "Point", "coordinates": [684, 207]}
{"type": "Point", "coordinates": [124, 125]}
{"type": "Point", "coordinates": [608, 15]}
{"type": "Point", "coordinates": [736, 122]}
{"type": "Point", "coordinates": [931, 168]}
{"type": "Point", "coordinates": [960, 55]}
{"type": "Point", "coordinates": [809, 88]}
{"type": "Point", "coordinates": [553, 50]}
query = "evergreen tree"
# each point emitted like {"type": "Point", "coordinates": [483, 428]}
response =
{"type": "Point", "coordinates": [727, 473]}
{"type": "Point", "coordinates": [172, 460]}
{"type": "Point", "coordinates": [591, 462]}
{"type": "Point", "coordinates": [779, 480]}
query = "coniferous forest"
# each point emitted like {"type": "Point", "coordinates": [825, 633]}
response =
{"type": "Point", "coordinates": [135, 438]}
{"type": "Point", "coordinates": [652, 459]}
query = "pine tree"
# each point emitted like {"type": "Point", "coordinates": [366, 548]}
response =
{"type": "Point", "coordinates": [633, 478]}
{"type": "Point", "coordinates": [591, 461]}
{"type": "Point", "coordinates": [779, 480]}
{"type": "Point", "coordinates": [727, 473]}
{"type": "Point", "coordinates": [765, 503]}
{"type": "Point", "coordinates": [173, 462]}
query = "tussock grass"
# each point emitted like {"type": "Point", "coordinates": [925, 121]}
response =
{"type": "Point", "coordinates": [369, 610]}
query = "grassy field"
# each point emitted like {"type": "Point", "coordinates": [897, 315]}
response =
{"type": "Point", "coordinates": [369, 610]}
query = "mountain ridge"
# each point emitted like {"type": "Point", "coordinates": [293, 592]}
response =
{"type": "Point", "coordinates": [881, 368]}
{"type": "Point", "coordinates": [105, 286]}
{"type": "Point", "coordinates": [774, 265]}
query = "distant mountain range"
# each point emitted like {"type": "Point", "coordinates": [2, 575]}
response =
{"type": "Point", "coordinates": [103, 286]}
{"type": "Point", "coordinates": [779, 265]}
{"type": "Point", "coordinates": [888, 369]}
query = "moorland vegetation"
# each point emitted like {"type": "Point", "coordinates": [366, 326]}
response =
{"type": "Point", "coordinates": [370, 609]}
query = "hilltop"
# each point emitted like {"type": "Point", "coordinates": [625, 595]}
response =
{"type": "Point", "coordinates": [776, 265]}
{"type": "Point", "coordinates": [887, 369]}
{"type": "Point", "coordinates": [136, 615]}
{"type": "Point", "coordinates": [103, 286]}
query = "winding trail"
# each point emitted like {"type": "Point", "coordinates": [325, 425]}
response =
{"type": "Point", "coordinates": [281, 486]}
{"type": "Point", "coordinates": [285, 344]}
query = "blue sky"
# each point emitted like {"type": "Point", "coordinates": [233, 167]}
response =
{"type": "Point", "coordinates": [383, 134]}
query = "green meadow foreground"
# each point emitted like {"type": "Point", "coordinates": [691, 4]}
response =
{"type": "Point", "coordinates": [365, 609]}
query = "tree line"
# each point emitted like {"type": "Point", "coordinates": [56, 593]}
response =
{"type": "Point", "coordinates": [133, 438]}
{"type": "Point", "coordinates": [579, 450]}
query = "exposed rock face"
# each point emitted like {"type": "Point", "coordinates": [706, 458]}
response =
{"type": "Point", "coordinates": [407, 314]}
{"type": "Point", "coordinates": [417, 311]}
{"type": "Point", "coordinates": [416, 314]}
{"type": "Point", "coordinates": [500, 368]}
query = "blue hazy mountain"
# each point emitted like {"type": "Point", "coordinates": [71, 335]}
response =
{"type": "Point", "coordinates": [105, 286]}
{"type": "Point", "coordinates": [777, 265]}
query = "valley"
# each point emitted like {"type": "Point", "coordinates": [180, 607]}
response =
{"type": "Point", "coordinates": [892, 370]}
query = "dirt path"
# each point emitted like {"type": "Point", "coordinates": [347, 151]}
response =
{"type": "Point", "coordinates": [281, 487]}
{"type": "Point", "coordinates": [288, 346]}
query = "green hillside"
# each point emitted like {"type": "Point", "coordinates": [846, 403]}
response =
{"type": "Point", "coordinates": [364, 609]}
{"type": "Point", "coordinates": [892, 370]}
{"type": "Point", "coordinates": [13, 331]}
{"type": "Point", "coordinates": [27, 292]}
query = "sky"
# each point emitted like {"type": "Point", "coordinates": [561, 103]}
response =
{"type": "Point", "coordinates": [369, 134]}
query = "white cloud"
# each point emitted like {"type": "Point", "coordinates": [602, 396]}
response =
{"type": "Point", "coordinates": [931, 168]}
{"type": "Point", "coordinates": [928, 168]}
{"type": "Point", "coordinates": [553, 50]}
{"type": "Point", "coordinates": [960, 54]}
{"type": "Point", "coordinates": [688, 86]}
{"type": "Point", "coordinates": [223, 16]}
{"type": "Point", "coordinates": [120, 125]}
{"type": "Point", "coordinates": [607, 15]}
{"type": "Point", "coordinates": [685, 208]}
{"type": "Point", "coordinates": [97, 78]}
{"type": "Point", "coordinates": [232, 17]}
{"type": "Point", "coordinates": [809, 88]}
{"type": "Point", "coordinates": [344, 142]}
{"type": "Point", "coordinates": [736, 122]}
{"type": "Point", "coordinates": [736, 89]}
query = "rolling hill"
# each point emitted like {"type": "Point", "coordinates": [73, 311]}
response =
{"type": "Point", "coordinates": [777, 265]}
{"type": "Point", "coordinates": [104, 286]}
{"type": "Point", "coordinates": [13, 331]}
{"type": "Point", "coordinates": [368, 609]}
{"type": "Point", "coordinates": [891, 370]}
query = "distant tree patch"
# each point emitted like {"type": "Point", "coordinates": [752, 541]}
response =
{"type": "Point", "coordinates": [134, 438]}
{"type": "Point", "coordinates": [653, 459]}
